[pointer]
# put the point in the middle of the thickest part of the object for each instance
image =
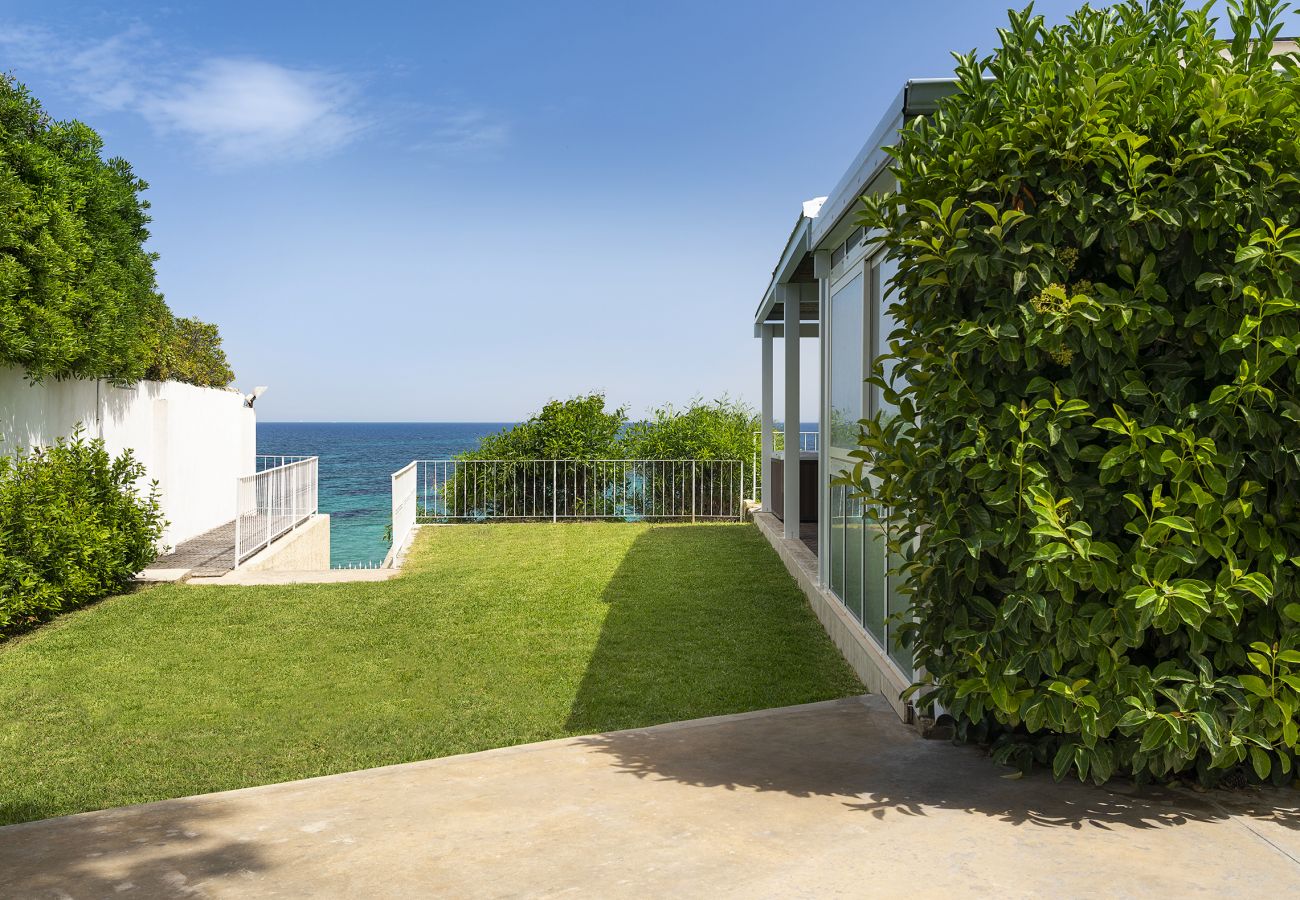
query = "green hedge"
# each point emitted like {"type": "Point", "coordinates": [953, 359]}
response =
{"type": "Point", "coordinates": [78, 292]}
{"type": "Point", "coordinates": [1096, 468]}
{"type": "Point", "coordinates": [73, 528]}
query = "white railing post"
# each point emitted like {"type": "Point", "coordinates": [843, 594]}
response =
{"type": "Point", "coordinates": [692, 490]}
{"type": "Point", "coordinates": [555, 491]}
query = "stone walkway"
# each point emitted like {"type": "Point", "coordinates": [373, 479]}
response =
{"type": "Point", "coordinates": [211, 553]}
{"type": "Point", "coordinates": [829, 799]}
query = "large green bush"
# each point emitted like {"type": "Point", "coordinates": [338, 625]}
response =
{"type": "Point", "coordinates": [1096, 468]}
{"type": "Point", "coordinates": [577, 428]}
{"type": "Point", "coordinates": [78, 293]}
{"type": "Point", "coordinates": [723, 429]}
{"type": "Point", "coordinates": [73, 528]}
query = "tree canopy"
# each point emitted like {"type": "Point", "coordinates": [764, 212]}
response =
{"type": "Point", "coordinates": [78, 291]}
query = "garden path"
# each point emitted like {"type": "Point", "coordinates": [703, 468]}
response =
{"type": "Point", "coordinates": [817, 800]}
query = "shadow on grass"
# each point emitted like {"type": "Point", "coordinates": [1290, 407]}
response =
{"type": "Point", "coordinates": [166, 849]}
{"type": "Point", "coordinates": [703, 620]}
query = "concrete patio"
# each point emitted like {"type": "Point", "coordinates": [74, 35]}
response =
{"type": "Point", "coordinates": [828, 799]}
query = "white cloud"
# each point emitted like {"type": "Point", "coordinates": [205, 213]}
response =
{"type": "Point", "coordinates": [472, 131]}
{"type": "Point", "coordinates": [244, 110]}
{"type": "Point", "coordinates": [109, 72]}
{"type": "Point", "coordinates": [239, 111]}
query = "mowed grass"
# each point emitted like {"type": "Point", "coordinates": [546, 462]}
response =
{"type": "Point", "coordinates": [493, 635]}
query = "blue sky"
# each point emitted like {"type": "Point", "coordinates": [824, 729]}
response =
{"type": "Point", "coordinates": [440, 211]}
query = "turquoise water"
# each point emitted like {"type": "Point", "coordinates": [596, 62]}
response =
{"type": "Point", "coordinates": [356, 460]}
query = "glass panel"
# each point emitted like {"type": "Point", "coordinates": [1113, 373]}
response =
{"type": "Point", "coordinates": [874, 611]}
{"type": "Point", "coordinates": [898, 603]}
{"type": "Point", "coordinates": [852, 595]}
{"type": "Point", "coordinates": [883, 325]}
{"type": "Point", "coordinates": [836, 548]}
{"type": "Point", "coordinates": [846, 363]}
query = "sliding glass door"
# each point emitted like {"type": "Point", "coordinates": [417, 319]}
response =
{"type": "Point", "coordinates": [859, 563]}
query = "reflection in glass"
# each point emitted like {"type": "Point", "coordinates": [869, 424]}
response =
{"type": "Point", "coordinates": [898, 602]}
{"type": "Point", "coordinates": [852, 595]}
{"type": "Point", "coordinates": [836, 548]}
{"type": "Point", "coordinates": [846, 349]}
{"type": "Point", "coordinates": [875, 566]}
{"type": "Point", "coordinates": [883, 326]}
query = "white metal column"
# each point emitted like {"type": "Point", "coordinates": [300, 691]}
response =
{"type": "Point", "coordinates": [765, 447]}
{"type": "Point", "coordinates": [790, 301]}
{"type": "Point", "coordinates": [822, 271]}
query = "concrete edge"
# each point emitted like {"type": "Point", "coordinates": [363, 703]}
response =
{"type": "Point", "coordinates": [865, 700]}
{"type": "Point", "coordinates": [314, 529]}
{"type": "Point", "coordinates": [240, 578]}
{"type": "Point", "coordinates": [396, 556]}
{"type": "Point", "coordinates": [868, 661]}
{"type": "Point", "coordinates": [161, 576]}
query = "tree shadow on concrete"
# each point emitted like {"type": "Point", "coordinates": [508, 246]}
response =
{"type": "Point", "coordinates": [857, 751]}
{"type": "Point", "coordinates": [158, 850]}
{"type": "Point", "coordinates": [703, 620]}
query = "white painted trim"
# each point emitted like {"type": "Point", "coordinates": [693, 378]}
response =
{"type": "Point", "coordinates": [794, 251]}
{"type": "Point", "coordinates": [765, 460]}
{"type": "Point", "coordinates": [790, 502]}
{"type": "Point", "coordinates": [806, 329]}
{"type": "Point", "coordinates": [821, 269]}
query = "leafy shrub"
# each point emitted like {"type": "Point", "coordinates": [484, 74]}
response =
{"type": "Point", "coordinates": [723, 429]}
{"type": "Point", "coordinates": [78, 291]}
{"type": "Point", "coordinates": [189, 350]}
{"type": "Point", "coordinates": [578, 428]}
{"type": "Point", "coordinates": [1095, 471]}
{"type": "Point", "coordinates": [73, 528]}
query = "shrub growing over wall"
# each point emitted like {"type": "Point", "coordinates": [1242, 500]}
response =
{"type": "Point", "coordinates": [189, 350]}
{"type": "Point", "coordinates": [73, 528]}
{"type": "Point", "coordinates": [78, 292]}
{"type": "Point", "coordinates": [1096, 468]}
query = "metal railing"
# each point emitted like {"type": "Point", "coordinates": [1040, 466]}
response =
{"type": "Point", "coordinates": [808, 443]}
{"type": "Point", "coordinates": [265, 461]}
{"type": "Point", "coordinates": [272, 501]}
{"type": "Point", "coordinates": [449, 490]}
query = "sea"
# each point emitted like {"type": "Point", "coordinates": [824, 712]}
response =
{"type": "Point", "coordinates": [356, 460]}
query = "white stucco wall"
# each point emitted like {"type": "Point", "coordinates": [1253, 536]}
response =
{"type": "Point", "coordinates": [194, 441]}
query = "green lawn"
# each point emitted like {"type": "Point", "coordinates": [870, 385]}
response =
{"type": "Point", "coordinates": [494, 635]}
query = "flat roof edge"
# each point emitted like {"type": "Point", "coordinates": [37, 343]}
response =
{"type": "Point", "coordinates": [795, 245]}
{"type": "Point", "coordinates": [918, 97]}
